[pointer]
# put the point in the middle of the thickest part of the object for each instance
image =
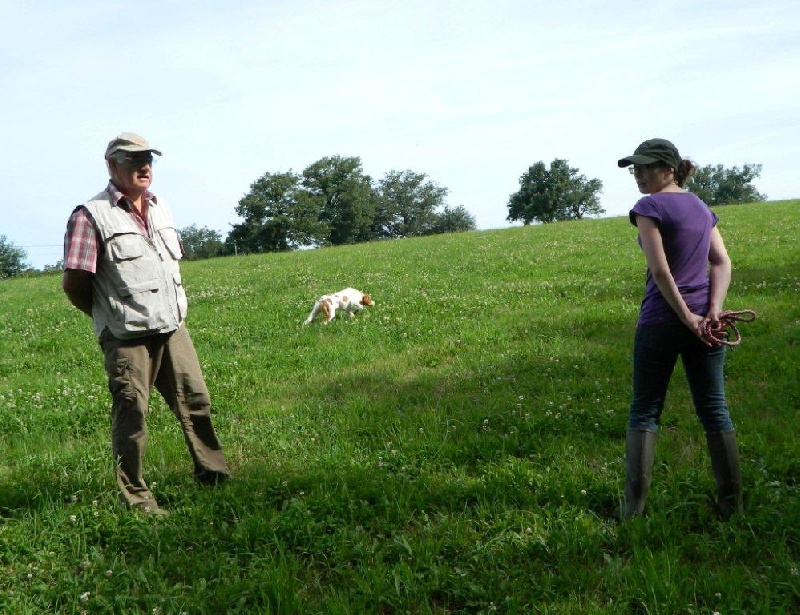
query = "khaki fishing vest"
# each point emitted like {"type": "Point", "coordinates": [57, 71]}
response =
{"type": "Point", "coordinates": [137, 289]}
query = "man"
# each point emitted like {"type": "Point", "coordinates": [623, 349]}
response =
{"type": "Point", "coordinates": [121, 267]}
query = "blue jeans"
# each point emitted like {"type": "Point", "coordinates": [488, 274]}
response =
{"type": "Point", "coordinates": [656, 349]}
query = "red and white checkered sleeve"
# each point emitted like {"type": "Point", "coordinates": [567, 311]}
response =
{"type": "Point", "coordinates": [80, 242]}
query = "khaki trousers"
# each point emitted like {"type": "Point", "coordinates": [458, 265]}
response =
{"type": "Point", "coordinates": [169, 363]}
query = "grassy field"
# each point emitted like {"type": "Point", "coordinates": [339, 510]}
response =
{"type": "Point", "coordinates": [458, 448]}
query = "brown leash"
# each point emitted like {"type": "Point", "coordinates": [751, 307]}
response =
{"type": "Point", "coordinates": [726, 331]}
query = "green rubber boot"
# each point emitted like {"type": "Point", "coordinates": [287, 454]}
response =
{"type": "Point", "coordinates": [724, 452]}
{"type": "Point", "coordinates": [640, 449]}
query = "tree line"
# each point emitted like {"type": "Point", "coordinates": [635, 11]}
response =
{"type": "Point", "coordinates": [560, 192]}
{"type": "Point", "coordinates": [333, 202]}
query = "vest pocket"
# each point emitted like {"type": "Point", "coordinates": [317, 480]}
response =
{"type": "Point", "coordinates": [170, 238]}
{"type": "Point", "coordinates": [125, 247]}
{"type": "Point", "coordinates": [180, 295]}
{"type": "Point", "coordinates": [138, 309]}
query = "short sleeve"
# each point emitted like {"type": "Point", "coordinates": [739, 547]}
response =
{"type": "Point", "coordinates": [80, 242]}
{"type": "Point", "coordinates": [646, 207]}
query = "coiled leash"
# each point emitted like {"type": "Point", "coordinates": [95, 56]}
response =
{"type": "Point", "coordinates": [726, 331]}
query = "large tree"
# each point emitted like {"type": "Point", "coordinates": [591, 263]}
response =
{"type": "Point", "coordinates": [343, 195]}
{"type": "Point", "coordinates": [333, 202]}
{"type": "Point", "coordinates": [717, 185]}
{"type": "Point", "coordinates": [200, 243]}
{"type": "Point", "coordinates": [557, 193]}
{"type": "Point", "coordinates": [454, 220]}
{"type": "Point", "coordinates": [12, 259]}
{"type": "Point", "coordinates": [407, 204]}
{"type": "Point", "coordinates": [278, 216]}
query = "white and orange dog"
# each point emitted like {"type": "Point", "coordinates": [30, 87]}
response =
{"type": "Point", "coordinates": [348, 300]}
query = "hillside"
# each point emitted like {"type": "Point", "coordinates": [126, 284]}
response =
{"type": "Point", "coordinates": [455, 449]}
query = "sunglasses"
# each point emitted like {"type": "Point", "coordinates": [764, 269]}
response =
{"type": "Point", "coordinates": [136, 159]}
{"type": "Point", "coordinates": [640, 168]}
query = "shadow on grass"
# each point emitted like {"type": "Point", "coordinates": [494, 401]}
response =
{"type": "Point", "coordinates": [523, 431]}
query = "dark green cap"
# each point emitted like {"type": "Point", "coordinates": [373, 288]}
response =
{"type": "Point", "coordinates": [653, 150]}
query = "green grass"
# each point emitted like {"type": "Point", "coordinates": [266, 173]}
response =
{"type": "Point", "coordinates": [455, 449]}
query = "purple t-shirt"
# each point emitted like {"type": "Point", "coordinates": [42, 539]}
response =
{"type": "Point", "coordinates": [686, 224]}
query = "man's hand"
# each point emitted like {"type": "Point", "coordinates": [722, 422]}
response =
{"type": "Point", "coordinates": [77, 285]}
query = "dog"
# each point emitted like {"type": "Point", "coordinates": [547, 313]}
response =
{"type": "Point", "coordinates": [348, 300]}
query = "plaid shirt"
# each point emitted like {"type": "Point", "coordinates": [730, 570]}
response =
{"type": "Point", "coordinates": [82, 243]}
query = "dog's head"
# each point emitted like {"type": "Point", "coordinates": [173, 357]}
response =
{"type": "Point", "coordinates": [325, 304]}
{"type": "Point", "coordinates": [367, 300]}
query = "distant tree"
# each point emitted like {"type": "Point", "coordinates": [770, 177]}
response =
{"type": "Point", "coordinates": [332, 203]}
{"type": "Point", "coordinates": [557, 193]}
{"type": "Point", "coordinates": [342, 194]}
{"type": "Point", "coordinates": [407, 204]}
{"type": "Point", "coordinates": [200, 243]}
{"type": "Point", "coordinates": [717, 185]}
{"type": "Point", "coordinates": [12, 259]}
{"type": "Point", "coordinates": [58, 266]}
{"type": "Point", "coordinates": [454, 220]}
{"type": "Point", "coordinates": [278, 216]}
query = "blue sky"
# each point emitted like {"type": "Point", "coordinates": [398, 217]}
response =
{"type": "Point", "coordinates": [471, 93]}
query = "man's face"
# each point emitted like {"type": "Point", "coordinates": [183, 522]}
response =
{"type": "Point", "coordinates": [133, 172]}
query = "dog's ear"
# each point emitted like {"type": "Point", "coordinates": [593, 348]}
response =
{"type": "Point", "coordinates": [326, 309]}
{"type": "Point", "coordinates": [367, 300]}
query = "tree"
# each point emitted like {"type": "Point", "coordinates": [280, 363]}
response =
{"type": "Point", "coordinates": [338, 189]}
{"type": "Point", "coordinates": [278, 216]}
{"type": "Point", "coordinates": [12, 259]}
{"type": "Point", "coordinates": [57, 267]}
{"type": "Point", "coordinates": [333, 203]}
{"type": "Point", "coordinates": [557, 193]}
{"type": "Point", "coordinates": [200, 243]}
{"type": "Point", "coordinates": [407, 204]}
{"type": "Point", "coordinates": [717, 185]}
{"type": "Point", "coordinates": [454, 220]}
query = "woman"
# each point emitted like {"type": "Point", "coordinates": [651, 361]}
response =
{"type": "Point", "coordinates": [688, 274]}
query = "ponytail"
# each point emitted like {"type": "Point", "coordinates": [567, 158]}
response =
{"type": "Point", "coordinates": [685, 170]}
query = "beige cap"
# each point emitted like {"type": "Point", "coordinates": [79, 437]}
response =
{"type": "Point", "coordinates": [129, 142]}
